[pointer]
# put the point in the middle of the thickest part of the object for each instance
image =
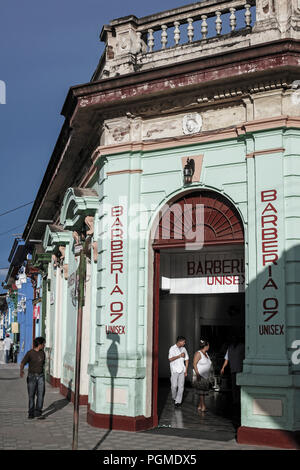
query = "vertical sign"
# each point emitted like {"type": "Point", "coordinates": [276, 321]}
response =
{"type": "Point", "coordinates": [269, 253]}
{"type": "Point", "coordinates": [116, 252]}
{"type": "Point", "coordinates": [36, 312]}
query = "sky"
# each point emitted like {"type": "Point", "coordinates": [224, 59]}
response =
{"type": "Point", "coordinates": [45, 48]}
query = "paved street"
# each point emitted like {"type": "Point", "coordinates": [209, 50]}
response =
{"type": "Point", "coordinates": [55, 431]}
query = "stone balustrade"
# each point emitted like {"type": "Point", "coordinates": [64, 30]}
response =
{"type": "Point", "coordinates": [194, 31]}
{"type": "Point", "coordinates": [206, 19]}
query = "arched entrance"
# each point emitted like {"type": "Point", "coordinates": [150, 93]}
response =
{"type": "Point", "coordinates": [198, 282]}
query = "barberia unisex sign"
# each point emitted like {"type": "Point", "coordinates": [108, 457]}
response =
{"type": "Point", "coordinates": [269, 253]}
{"type": "Point", "coordinates": [204, 273]}
{"type": "Point", "coordinates": [116, 272]}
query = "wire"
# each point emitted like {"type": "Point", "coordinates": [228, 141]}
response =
{"type": "Point", "coordinates": [16, 208]}
{"type": "Point", "coordinates": [10, 230]}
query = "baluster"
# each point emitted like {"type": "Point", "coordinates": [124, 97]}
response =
{"type": "Point", "coordinates": [139, 42]}
{"type": "Point", "coordinates": [232, 19]}
{"type": "Point", "coordinates": [218, 22]}
{"type": "Point", "coordinates": [204, 26]}
{"type": "Point", "coordinates": [248, 16]}
{"type": "Point", "coordinates": [176, 33]}
{"type": "Point", "coordinates": [190, 29]}
{"type": "Point", "coordinates": [150, 40]}
{"type": "Point", "coordinates": [164, 36]}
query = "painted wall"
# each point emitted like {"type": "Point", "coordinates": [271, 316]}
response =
{"type": "Point", "coordinates": [69, 321]}
{"type": "Point", "coordinates": [124, 361]}
{"type": "Point", "coordinates": [51, 320]}
{"type": "Point", "coordinates": [63, 310]}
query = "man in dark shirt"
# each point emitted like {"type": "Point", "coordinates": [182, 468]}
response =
{"type": "Point", "coordinates": [35, 358]}
{"type": "Point", "coordinates": [235, 356]}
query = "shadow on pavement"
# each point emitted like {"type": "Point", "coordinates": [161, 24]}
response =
{"type": "Point", "coordinates": [54, 407]}
{"type": "Point", "coordinates": [9, 378]}
{"type": "Point", "coordinates": [112, 361]}
{"type": "Point", "coordinates": [58, 404]}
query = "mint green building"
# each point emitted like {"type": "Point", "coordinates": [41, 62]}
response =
{"type": "Point", "coordinates": [179, 166]}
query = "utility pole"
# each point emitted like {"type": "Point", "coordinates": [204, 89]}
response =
{"type": "Point", "coordinates": [81, 284]}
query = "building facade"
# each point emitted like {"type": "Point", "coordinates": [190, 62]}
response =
{"type": "Point", "coordinates": [24, 318]}
{"type": "Point", "coordinates": [177, 171]}
{"type": "Point", "coordinates": [3, 315]}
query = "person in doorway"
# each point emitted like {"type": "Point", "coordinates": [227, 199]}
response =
{"type": "Point", "coordinates": [234, 356]}
{"type": "Point", "coordinates": [179, 361]}
{"type": "Point", "coordinates": [8, 342]}
{"type": "Point", "coordinates": [201, 373]}
{"type": "Point", "coordinates": [35, 358]}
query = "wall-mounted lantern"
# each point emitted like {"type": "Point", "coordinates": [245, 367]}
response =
{"type": "Point", "coordinates": [188, 171]}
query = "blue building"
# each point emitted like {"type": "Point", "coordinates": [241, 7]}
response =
{"type": "Point", "coordinates": [20, 283]}
{"type": "Point", "coordinates": [3, 315]}
{"type": "Point", "coordinates": [25, 318]}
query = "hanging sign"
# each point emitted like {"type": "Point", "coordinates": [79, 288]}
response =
{"type": "Point", "coordinates": [271, 317]}
{"type": "Point", "coordinates": [117, 274]}
{"type": "Point", "coordinates": [15, 327]}
{"type": "Point", "coordinates": [203, 273]}
{"type": "Point", "coordinates": [36, 312]}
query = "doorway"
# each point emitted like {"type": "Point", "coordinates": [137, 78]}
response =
{"type": "Point", "coordinates": [198, 294]}
{"type": "Point", "coordinates": [215, 317]}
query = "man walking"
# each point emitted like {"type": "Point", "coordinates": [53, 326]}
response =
{"type": "Point", "coordinates": [7, 346]}
{"type": "Point", "coordinates": [35, 358]}
{"type": "Point", "coordinates": [179, 361]}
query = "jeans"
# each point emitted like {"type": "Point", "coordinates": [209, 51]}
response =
{"type": "Point", "coordinates": [35, 385]}
{"type": "Point", "coordinates": [177, 386]}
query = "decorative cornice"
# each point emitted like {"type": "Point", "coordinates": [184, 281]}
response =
{"type": "Point", "coordinates": [147, 146]}
{"type": "Point", "coordinates": [278, 54]}
{"type": "Point", "coordinates": [204, 137]}
{"type": "Point", "coordinates": [233, 132]}
{"type": "Point", "coordinates": [77, 204]}
{"type": "Point", "coordinates": [268, 124]}
{"type": "Point", "coordinates": [95, 251]}
{"type": "Point", "coordinates": [55, 235]}
{"type": "Point", "coordinates": [121, 172]}
{"type": "Point", "coordinates": [265, 152]}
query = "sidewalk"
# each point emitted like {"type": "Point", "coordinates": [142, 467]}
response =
{"type": "Point", "coordinates": [55, 431]}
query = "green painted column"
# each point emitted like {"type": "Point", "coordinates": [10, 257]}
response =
{"type": "Point", "coordinates": [41, 261]}
{"type": "Point", "coordinates": [118, 373]}
{"type": "Point", "coordinates": [266, 381]}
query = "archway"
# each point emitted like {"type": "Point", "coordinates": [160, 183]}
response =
{"type": "Point", "coordinates": [198, 282]}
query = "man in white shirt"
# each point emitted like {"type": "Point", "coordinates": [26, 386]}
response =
{"type": "Point", "coordinates": [179, 361]}
{"type": "Point", "coordinates": [7, 345]}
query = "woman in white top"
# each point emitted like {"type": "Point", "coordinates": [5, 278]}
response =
{"type": "Point", "coordinates": [202, 366]}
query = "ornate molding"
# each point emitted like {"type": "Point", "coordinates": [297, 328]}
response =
{"type": "Point", "coordinates": [95, 251]}
{"type": "Point", "coordinates": [77, 204]}
{"type": "Point", "coordinates": [89, 220]}
{"type": "Point", "coordinates": [62, 250]}
{"type": "Point", "coordinates": [265, 152]}
{"type": "Point", "coordinates": [55, 261]}
{"type": "Point", "coordinates": [222, 223]}
{"type": "Point", "coordinates": [76, 237]}
{"type": "Point", "coordinates": [66, 271]}
{"type": "Point", "coordinates": [121, 172]}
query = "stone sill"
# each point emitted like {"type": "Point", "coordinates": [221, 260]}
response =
{"type": "Point", "coordinates": [274, 381]}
